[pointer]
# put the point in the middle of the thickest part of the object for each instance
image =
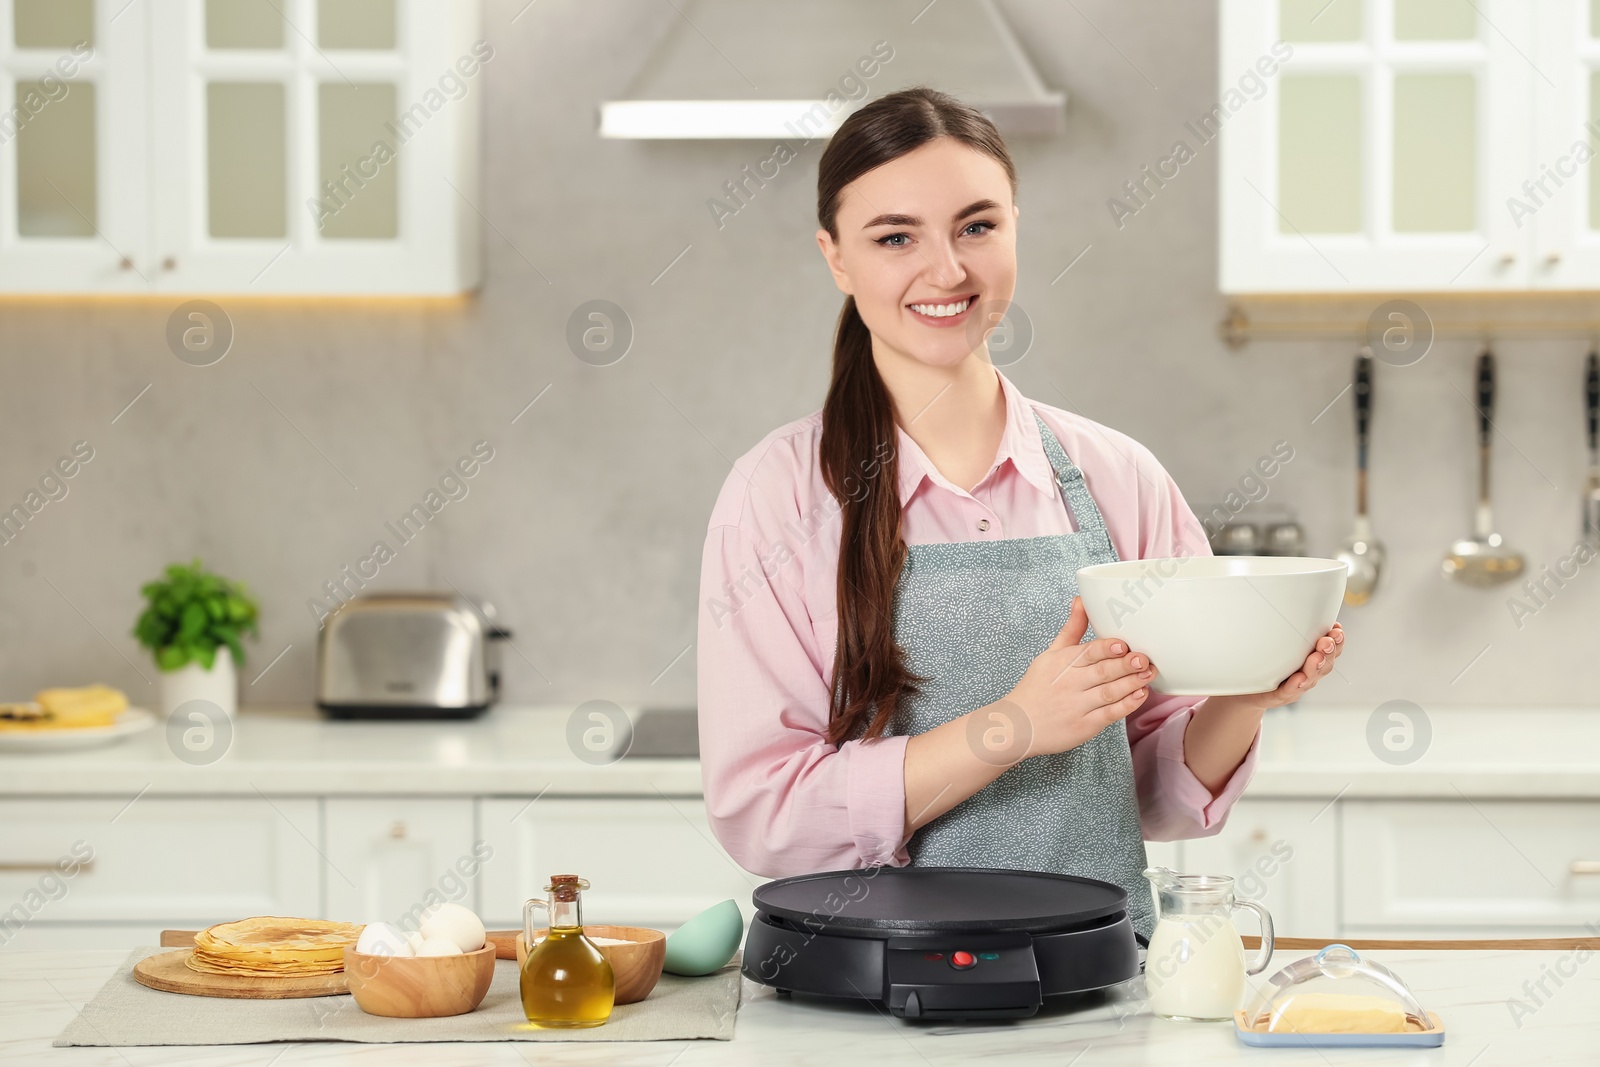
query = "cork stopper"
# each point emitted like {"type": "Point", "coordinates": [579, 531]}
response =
{"type": "Point", "coordinates": [564, 886]}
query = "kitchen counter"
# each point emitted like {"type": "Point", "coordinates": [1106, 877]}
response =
{"type": "Point", "coordinates": [1306, 752]}
{"type": "Point", "coordinates": [39, 992]}
{"type": "Point", "coordinates": [297, 751]}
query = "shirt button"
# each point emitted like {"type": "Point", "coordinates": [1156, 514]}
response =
{"type": "Point", "coordinates": [983, 524]}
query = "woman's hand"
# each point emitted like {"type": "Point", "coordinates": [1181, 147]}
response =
{"type": "Point", "coordinates": [1071, 691]}
{"type": "Point", "coordinates": [1223, 727]}
{"type": "Point", "coordinates": [1318, 664]}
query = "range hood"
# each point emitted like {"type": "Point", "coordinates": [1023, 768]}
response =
{"type": "Point", "coordinates": [760, 69]}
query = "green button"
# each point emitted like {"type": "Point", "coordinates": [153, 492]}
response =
{"type": "Point", "coordinates": [988, 955]}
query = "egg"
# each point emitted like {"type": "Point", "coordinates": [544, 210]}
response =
{"type": "Point", "coordinates": [454, 923]}
{"type": "Point", "coordinates": [382, 939]}
{"type": "Point", "coordinates": [415, 938]}
{"type": "Point", "coordinates": [439, 946]}
{"type": "Point", "coordinates": [706, 942]}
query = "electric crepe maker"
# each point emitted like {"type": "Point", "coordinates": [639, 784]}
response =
{"type": "Point", "coordinates": [941, 942]}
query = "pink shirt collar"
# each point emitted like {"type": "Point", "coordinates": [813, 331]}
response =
{"type": "Point", "coordinates": [1020, 443]}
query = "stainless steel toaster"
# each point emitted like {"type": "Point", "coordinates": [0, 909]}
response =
{"type": "Point", "coordinates": [408, 655]}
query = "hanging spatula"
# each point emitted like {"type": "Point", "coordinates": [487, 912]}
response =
{"type": "Point", "coordinates": [1362, 554]}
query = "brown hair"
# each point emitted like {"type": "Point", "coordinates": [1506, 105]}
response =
{"type": "Point", "coordinates": [858, 429]}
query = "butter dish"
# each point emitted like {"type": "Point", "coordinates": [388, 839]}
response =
{"type": "Point", "coordinates": [1336, 999]}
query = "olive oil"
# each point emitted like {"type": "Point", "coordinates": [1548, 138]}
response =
{"type": "Point", "coordinates": [566, 983]}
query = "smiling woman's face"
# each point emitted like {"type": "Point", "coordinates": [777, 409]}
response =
{"type": "Point", "coordinates": [920, 237]}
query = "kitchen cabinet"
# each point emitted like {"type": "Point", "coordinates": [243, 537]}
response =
{"type": "Point", "coordinates": [154, 860]}
{"type": "Point", "coordinates": [74, 181]}
{"type": "Point", "coordinates": [1378, 145]}
{"type": "Point", "coordinates": [1479, 868]}
{"type": "Point", "coordinates": [1282, 853]}
{"type": "Point", "coordinates": [390, 858]}
{"type": "Point", "coordinates": [652, 861]}
{"type": "Point", "coordinates": [243, 147]}
{"type": "Point", "coordinates": [1559, 205]}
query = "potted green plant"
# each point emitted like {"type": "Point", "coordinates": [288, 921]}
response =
{"type": "Point", "coordinates": [190, 616]}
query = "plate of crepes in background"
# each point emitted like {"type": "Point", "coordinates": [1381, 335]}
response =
{"type": "Point", "coordinates": [265, 956]}
{"type": "Point", "coordinates": [70, 718]}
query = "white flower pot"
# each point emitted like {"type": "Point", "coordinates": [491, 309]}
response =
{"type": "Point", "coordinates": [219, 685]}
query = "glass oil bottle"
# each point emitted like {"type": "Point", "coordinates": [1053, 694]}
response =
{"type": "Point", "coordinates": [566, 983]}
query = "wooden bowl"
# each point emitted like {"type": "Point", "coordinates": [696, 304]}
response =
{"type": "Point", "coordinates": [419, 987]}
{"type": "Point", "coordinates": [636, 965]}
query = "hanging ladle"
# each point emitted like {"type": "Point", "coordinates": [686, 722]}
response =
{"type": "Point", "coordinates": [1482, 559]}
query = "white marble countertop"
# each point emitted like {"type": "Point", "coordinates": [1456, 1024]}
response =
{"type": "Point", "coordinates": [289, 751]}
{"type": "Point", "coordinates": [1472, 991]}
{"type": "Point", "coordinates": [1306, 752]}
{"type": "Point", "coordinates": [1477, 751]}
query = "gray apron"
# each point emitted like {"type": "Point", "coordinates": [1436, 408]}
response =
{"type": "Point", "coordinates": [971, 616]}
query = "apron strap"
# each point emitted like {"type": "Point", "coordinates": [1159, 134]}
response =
{"type": "Point", "coordinates": [1073, 487]}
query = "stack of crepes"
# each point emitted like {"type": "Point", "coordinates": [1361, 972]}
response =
{"type": "Point", "coordinates": [273, 946]}
{"type": "Point", "coordinates": [66, 709]}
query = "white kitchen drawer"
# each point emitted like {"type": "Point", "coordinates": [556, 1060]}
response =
{"type": "Point", "coordinates": [158, 859]}
{"type": "Point", "coordinates": [1281, 852]}
{"type": "Point", "coordinates": [1458, 865]}
{"type": "Point", "coordinates": [1164, 854]}
{"type": "Point", "coordinates": [649, 862]}
{"type": "Point", "coordinates": [389, 858]}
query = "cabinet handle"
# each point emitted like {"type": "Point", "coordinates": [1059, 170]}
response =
{"type": "Point", "coordinates": [169, 264]}
{"type": "Point", "coordinates": [18, 868]}
{"type": "Point", "coordinates": [1507, 258]}
{"type": "Point", "coordinates": [1584, 867]}
{"type": "Point", "coordinates": [124, 263]}
{"type": "Point", "coordinates": [397, 829]}
{"type": "Point", "coordinates": [1553, 259]}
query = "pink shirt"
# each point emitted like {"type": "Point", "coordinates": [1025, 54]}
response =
{"type": "Point", "coordinates": [780, 797]}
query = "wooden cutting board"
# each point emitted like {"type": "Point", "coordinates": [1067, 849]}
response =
{"type": "Point", "coordinates": [504, 942]}
{"type": "Point", "coordinates": [167, 971]}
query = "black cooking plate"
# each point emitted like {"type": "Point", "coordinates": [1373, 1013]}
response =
{"type": "Point", "coordinates": [880, 900]}
{"type": "Point", "coordinates": [941, 942]}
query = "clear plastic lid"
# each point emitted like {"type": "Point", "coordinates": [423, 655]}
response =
{"type": "Point", "coordinates": [1336, 991]}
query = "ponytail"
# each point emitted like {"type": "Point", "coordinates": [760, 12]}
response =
{"type": "Point", "coordinates": [858, 427]}
{"type": "Point", "coordinates": [858, 437]}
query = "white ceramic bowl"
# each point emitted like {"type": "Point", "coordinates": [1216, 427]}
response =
{"type": "Point", "coordinates": [1216, 625]}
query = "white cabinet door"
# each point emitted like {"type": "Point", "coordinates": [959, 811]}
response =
{"type": "Point", "coordinates": [1459, 868]}
{"type": "Point", "coordinates": [1282, 853]}
{"type": "Point", "coordinates": [649, 862]}
{"type": "Point", "coordinates": [1558, 201]}
{"type": "Point", "coordinates": [298, 153]}
{"type": "Point", "coordinates": [74, 201]}
{"type": "Point", "coordinates": [1371, 146]}
{"type": "Point", "coordinates": [184, 861]}
{"type": "Point", "coordinates": [389, 858]}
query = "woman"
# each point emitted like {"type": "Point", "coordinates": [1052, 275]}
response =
{"type": "Point", "coordinates": [893, 664]}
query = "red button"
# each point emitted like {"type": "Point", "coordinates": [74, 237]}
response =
{"type": "Point", "coordinates": [962, 959]}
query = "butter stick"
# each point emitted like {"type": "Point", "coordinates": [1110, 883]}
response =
{"type": "Point", "coordinates": [1338, 1013]}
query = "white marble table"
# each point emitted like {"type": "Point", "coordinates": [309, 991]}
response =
{"type": "Point", "coordinates": [1472, 990]}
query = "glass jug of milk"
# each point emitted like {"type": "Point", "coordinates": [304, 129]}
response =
{"type": "Point", "coordinates": [1194, 968]}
